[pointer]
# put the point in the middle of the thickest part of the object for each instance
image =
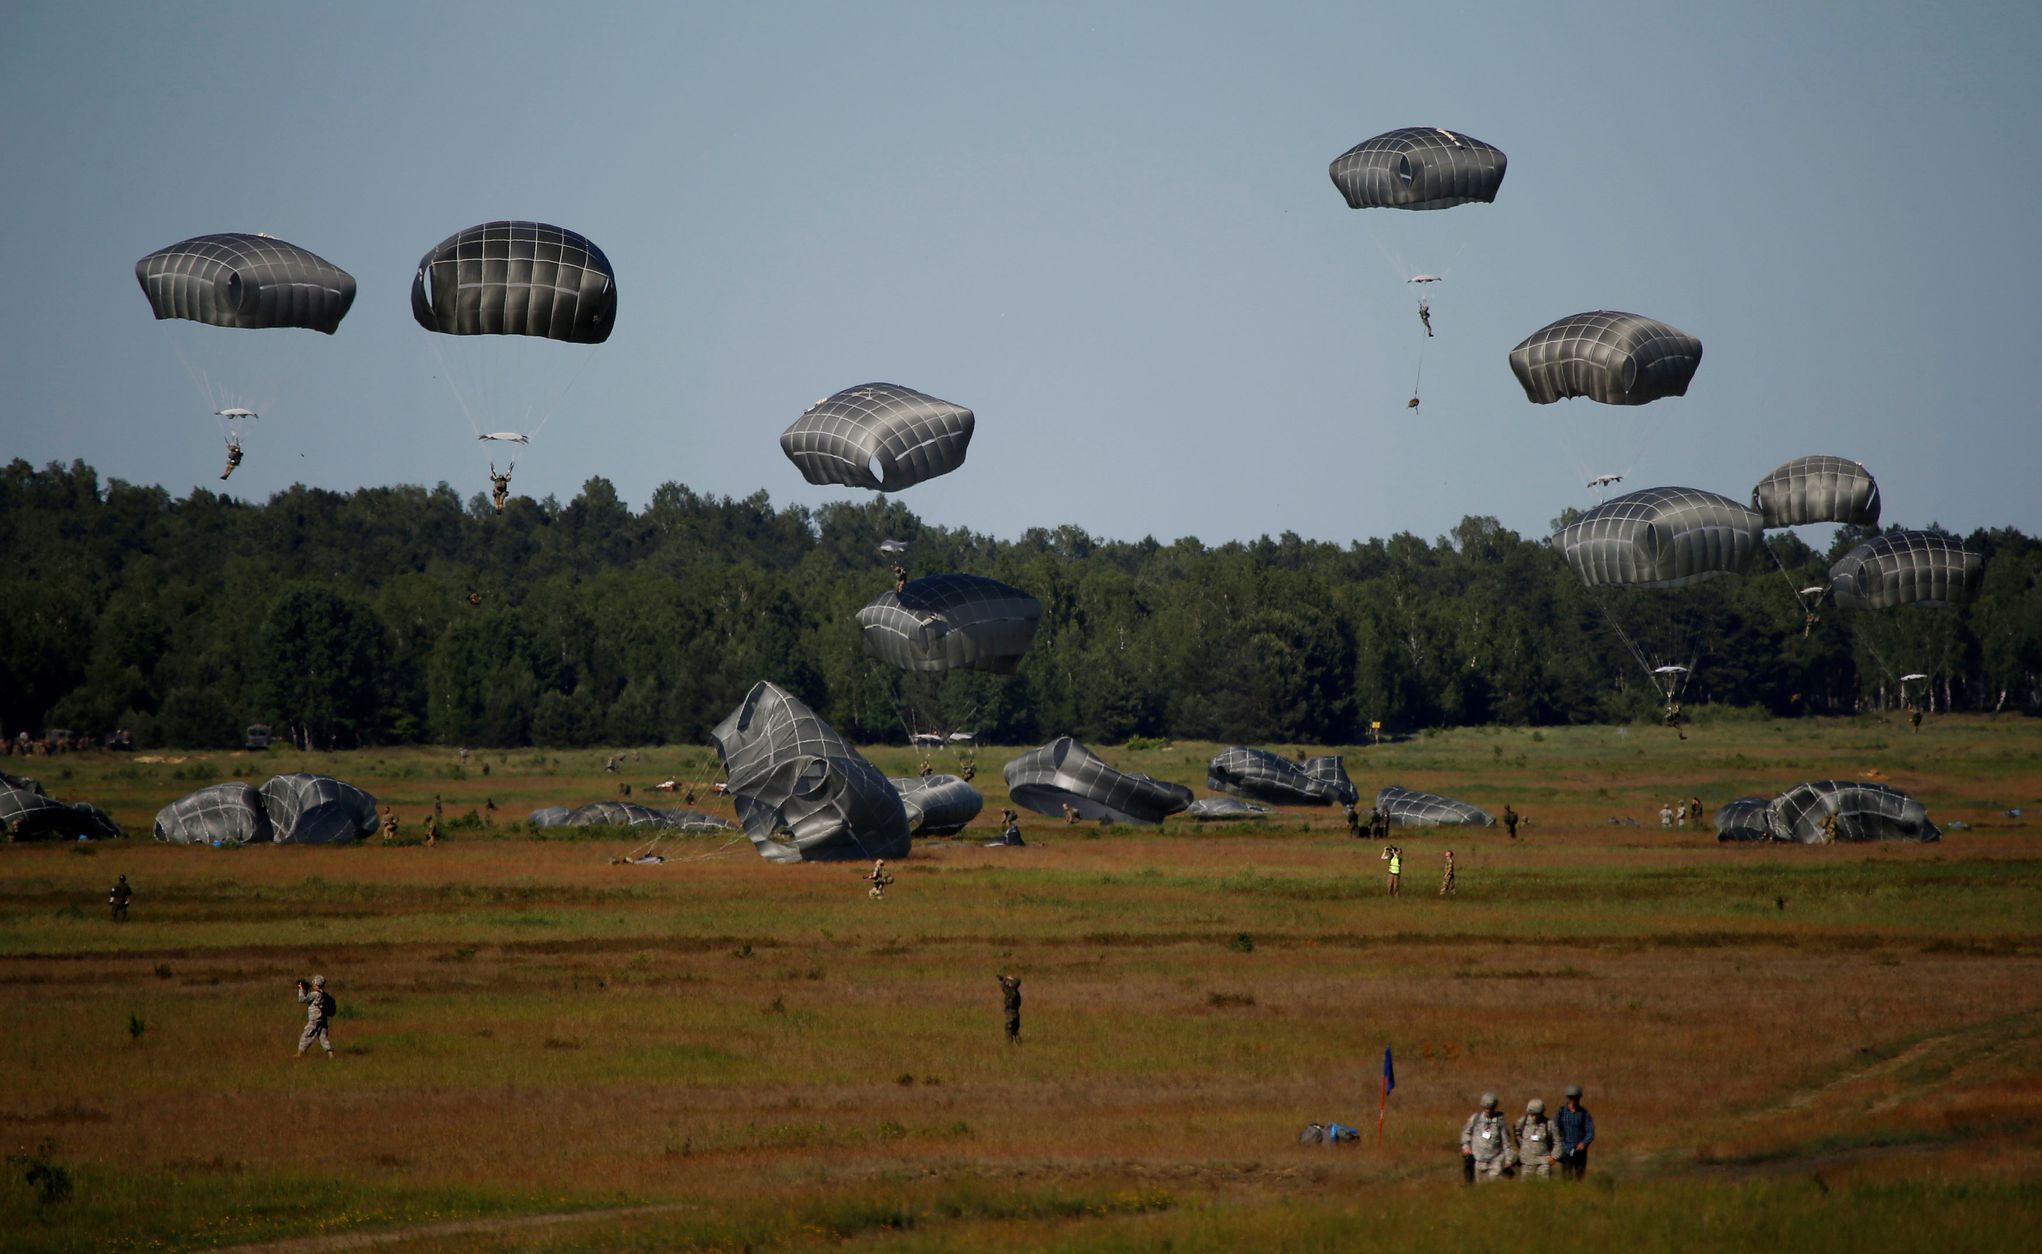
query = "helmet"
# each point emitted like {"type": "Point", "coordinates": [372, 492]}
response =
{"type": "Point", "coordinates": [1488, 1101]}
{"type": "Point", "coordinates": [1573, 1090]}
{"type": "Point", "coordinates": [318, 981]}
{"type": "Point", "coordinates": [1535, 1106]}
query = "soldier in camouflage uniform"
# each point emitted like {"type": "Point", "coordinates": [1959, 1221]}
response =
{"type": "Point", "coordinates": [1538, 1142]}
{"type": "Point", "coordinates": [1010, 996]}
{"type": "Point", "coordinates": [318, 1006]}
{"type": "Point", "coordinates": [1487, 1151]}
{"type": "Point", "coordinates": [1446, 883]}
{"type": "Point", "coordinates": [389, 825]}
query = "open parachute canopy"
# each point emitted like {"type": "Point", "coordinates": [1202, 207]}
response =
{"type": "Point", "coordinates": [1863, 810]}
{"type": "Point", "coordinates": [517, 278]}
{"type": "Point", "coordinates": [1816, 489]}
{"type": "Point", "coordinates": [938, 805]}
{"type": "Point", "coordinates": [1064, 772]}
{"type": "Point", "coordinates": [878, 435]}
{"type": "Point", "coordinates": [1616, 358]}
{"type": "Point", "coordinates": [246, 281]}
{"type": "Point", "coordinates": [1661, 538]}
{"type": "Point", "coordinates": [949, 622]}
{"type": "Point", "coordinates": [803, 793]}
{"type": "Point", "coordinates": [1907, 568]}
{"type": "Point", "coordinates": [1418, 167]}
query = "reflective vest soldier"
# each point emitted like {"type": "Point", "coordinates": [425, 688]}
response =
{"type": "Point", "coordinates": [1395, 857]}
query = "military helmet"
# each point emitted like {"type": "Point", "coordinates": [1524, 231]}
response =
{"type": "Point", "coordinates": [1488, 1101]}
{"type": "Point", "coordinates": [1536, 1106]}
{"type": "Point", "coordinates": [1573, 1090]}
{"type": "Point", "coordinates": [318, 981]}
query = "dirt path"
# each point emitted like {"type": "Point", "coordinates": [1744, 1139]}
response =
{"type": "Point", "coordinates": [1877, 1070]}
{"type": "Point", "coordinates": [428, 1233]}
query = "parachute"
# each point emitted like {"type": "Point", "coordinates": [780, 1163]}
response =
{"type": "Point", "coordinates": [1419, 167]}
{"type": "Point", "coordinates": [1407, 808]}
{"type": "Point", "coordinates": [1864, 811]}
{"type": "Point", "coordinates": [1064, 772]}
{"type": "Point", "coordinates": [1607, 356]}
{"type": "Point", "coordinates": [1907, 568]}
{"type": "Point", "coordinates": [28, 813]}
{"type": "Point", "coordinates": [938, 805]}
{"type": "Point", "coordinates": [1219, 809]}
{"type": "Point", "coordinates": [220, 814]}
{"type": "Point", "coordinates": [306, 809]}
{"type": "Point", "coordinates": [1815, 489]}
{"type": "Point", "coordinates": [1267, 776]}
{"type": "Point", "coordinates": [1745, 819]}
{"type": "Point", "coordinates": [880, 436]}
{"type": "Point", "coordinates": [1661, 538]}
{"type": "Point", "coordinates": [803, 793]}
{"type": "Point", "coordinates": [946, 622]}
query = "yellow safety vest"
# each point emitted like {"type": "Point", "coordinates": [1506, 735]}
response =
{"type": "Point", "coordinates": [1397, 864]}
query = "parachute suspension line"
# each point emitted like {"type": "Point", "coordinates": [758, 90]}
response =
{"type": "Point", "coordinates": [447, 373]}
{"type": "Point", "coordinates": [1639, 654]}
{"type": "Point", "coordinates": [560, 398]}
{"type": "Point", "coordinates": [1802, 601]}
{"type": "Point", "coordinates": [1419, 377]}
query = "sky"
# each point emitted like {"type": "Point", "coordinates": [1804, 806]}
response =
{"type": "Point", "coordinates": [1106, 228]}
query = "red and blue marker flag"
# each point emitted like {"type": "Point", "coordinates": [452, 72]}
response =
{"type": "Point", "coordinates": [1389, 1084]}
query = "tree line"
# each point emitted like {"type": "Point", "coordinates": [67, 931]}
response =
{"type": "Point", "coordinates": [404, 614]}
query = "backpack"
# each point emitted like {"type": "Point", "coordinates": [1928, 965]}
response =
{"type": "Point", "coordinates": [328, 1006]}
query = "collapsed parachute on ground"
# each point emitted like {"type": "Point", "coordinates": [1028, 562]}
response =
{"type": "Point", "coordinates": [1064, 772]}
{"type": "Point", "coordinates": [220, 814]}
{"type": "Point", "coordinates": [549, 816]}
{"type": "Point", "coordinates": [1907, 568]}
{"type": "Point", "coordinates": [945, 622]}
{"type": "Point", "coordinates": [1423, 809]}
{"type": "Point", "coordinates": [803, 793]}
{"type": "Point", "coordinates": [1815, 489]}
{"type": "Point", "coordinates": [878, 435]}
{"type": "Point", "coordinates": [1661, 538]}
{"type": "Point", "coordinates": [1608, 356]}
{"type": "Point", "coordinates": [1211, 809]}
{"type": "Point", "coordinates": [306, 809]}
{"type": "Point", "coordinates": [1272, 777]}
{"type": "Point", "coordinates": [28, 813]}
{"type": "Point", "coordinates": [938, 805]}
{"type": "Point", "coordinates": [517, 278]}
{"type": "Point", "coordinates": [1747, 818]}
{"type": "Point", "coordinates": [629, 814]}
{"type": "Point", "coordinates": [1864, 811]}
{"type": "Point", "coordinates": [245, 281]}
{"type": "Point", "coordinates": [1418, 167]}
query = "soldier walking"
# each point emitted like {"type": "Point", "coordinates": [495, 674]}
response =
{"type": "Point", "coordinates": [1446, 883]}
{"type": "Point", "coordinates": [1576, 1129]}
{"type": "Point", "coordinates": [1487, 1151]}
{"type": "Point", "coordinates": [1509, 821]}
{"type": "Point", "coordinates": [318, 1010]}
{"type": "Point", "coordinates": [432, 830]}
{"type": "Point", "coordinates": [117, 899]}
{"type": "Point", "coordinates": [1538, 1142]}
{"type": "Point", "coordinates": [879, 879]}
{"type": "Point", "coordinates": [1353, 819]}
{"type": "Point", "coordinates": [1010, 997]}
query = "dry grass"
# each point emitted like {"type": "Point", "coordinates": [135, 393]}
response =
{"type": "Point", "coordinates": [526, 1028]}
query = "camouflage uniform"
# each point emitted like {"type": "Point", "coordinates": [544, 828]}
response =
{"type": "Point", "coordinates": [317, 1005]}
{"type": "Point", "coordinates": [1446, 882]}
{"type": "Point", "coordinates": [1538, 1142]}
{"type": "Point", "coordinates": [1486, 1140]}
{"type": "Point", "coordinates": [117, 899]}
{"type": "Point", "coordinates": [1010, 995]}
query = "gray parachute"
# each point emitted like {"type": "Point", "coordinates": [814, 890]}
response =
{"type": "Point", "coordinates": [220, 814]}
{"type": "Point", "coordinates": [803, 793]}
{"type": "Point", "coordinates": [1423, 809]}
{"type": "Point", "coordinates": [1064, 772]}
{"type": "Point", "coordinates": [1816, 489]}
{"type": "Point", "coordinates": [1864, 811]}
{"type": "Point", "coordinates": [1271, 777]}
{"type": "Point", "coordinates": [27, 813]}
{"type": "Point", "coordinates": [880, 436]}
{"type": "Point", "coordinates": [947, 622]}
{"type": "Point", "coordinates": [245, 281]}
{"type": "Point", "coordinates": [549, 816]}
{"type": "Point", "coordinates": [1221, 809]}
{"type": "Point", "coordinates": [1418, 167]}
{"type": "Point", "coordinates": [1747, 818]}
{"type": "Point", "coordinates": [1661, 538]}
{"type": "Point", "coordinates": [1608, 356]}
{"type": "Point", "coordinates": [1907, 568]}
{"type": "Point", "coordinates": [306, 809]}
{"type": "Point", "coordinates": [938, 805]}
{"type": "Point", "coordinates": [517, 278]}
{"type": "Point", "coordinates": [629, 814]}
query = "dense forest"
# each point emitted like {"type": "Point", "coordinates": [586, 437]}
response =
{"type": "Point", "coordinates": [403, 614]}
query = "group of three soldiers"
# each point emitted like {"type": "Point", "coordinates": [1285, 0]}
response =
{"type": "Point", "coordinates": [1493, 1149]}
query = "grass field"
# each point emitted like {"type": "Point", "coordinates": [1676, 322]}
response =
{"type": "Point", "coordinates": [1784, 1047]}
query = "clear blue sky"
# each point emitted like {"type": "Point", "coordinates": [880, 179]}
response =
{"type": "Point", "coordinates": [1106, 228]}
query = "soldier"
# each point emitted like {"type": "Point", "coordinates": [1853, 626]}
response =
{"type": "Point", "coordinates": [1914, 718]}
{"type": "Point", "coordinates": [1672, 717]}
{"type": "Point", "coordinates": [432, 830]}
{"type": "Point", "coordinates": [927, 769]}
{"type": "Point", "coordinates": [1395, 857]}
{"type": "Point", "coordinates": [1509, 821]}
{"type": "Point", "coordinates": [499, 486]}
{"type": "Point", "coordinates": [1012, 836]}
{"type": "Point", "coordinates": [389, 825]}
{"type": "Point", "coordinates": [1425, 315]}
{"type": "Point", "coordinates": [117, 899]}
{"type": "Point", "coordinates": [1486, 1148]}
{"type": "Point", "coordinates": [318, 1008]}
{"type": "Point", "coordinates": [1828, 826]}
{"type": "Point", "coordinates": [970, 769]}
{"type": "Point", "coordinates": [439, 811]}
{"type": "Point", "coordinates": [1071, 815]}
{"type": "Point", "coordinates": [1382, 824]}
{"type": "Point", "coordinates": [1694, 810]}
{"type": "Point", "coordinates": [489, 811]}
{"type": "Point", "coordinates": [233, 458]}
{"type": "Point", "coordinates": [900, 579]}
{"type": "Point", "coordinates": [1010, 996]}
{"type": "Point", "coordinates": [1537, 1142]}
{"type": "Point", "coordinates": [1577, 1132]}
{"type": "Point", "coordinates": [1446, 883]}
{"type": "Point", "coordinates": [1353, 819]}
{"type": "Point", "coordinates": [1665, 815]}
{"type": "Point", "coordinates": [879, 879]}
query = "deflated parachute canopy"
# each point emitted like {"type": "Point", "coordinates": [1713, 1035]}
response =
{"type": "Point", "coordinates": [1418, 167]}
{"type": "Point", "coordinates": [803, 793]}
{"type": "Point", "coordinates": [1864, 811]}
{"type": "Point", "coordinates": [221, 814]}
{"type": "Point", "coordinates": [938, 805]}
{"type": "Point", "coordinates": [1064, 772]}
{"type": "Point", "coordinates": [1423, 809]}
{"type": "Point", "coordinates": [1818, 488]}
{"type": "Point", "coordinates": [517, 278]}
{"type": "Point", "coordinates": [1219, 809]}
{"type": "Point", "coordinates": [1907, 568]}
{"type": "Point", "coordinates": [878, 435]}
{"type": "Point", "coordinates": [1271, 777]}
{"type": "Point", "coordinates": [1747, 818]}
{"type": "Point", "coordinates": [944, 622]}
{"type": "Point", "coordinates": [1661, 538]}
{"type": "Point", "coordinates": [1616, 358]}
{"type": "Point", "coordinates": [306, 809]}
{"type": "Point", "coordinates": [26, 813]}
{"type": "Point", "coordinates": [249, 281]}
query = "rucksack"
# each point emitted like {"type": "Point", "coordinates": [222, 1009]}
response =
{"type": "Point", "coordinates": [328, 1006]}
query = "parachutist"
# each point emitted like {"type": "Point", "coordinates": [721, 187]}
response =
{"type": "Point", "coordinates": [1425, 315]}
{"type": "Point", "coordinates": [233, 457]}
{"type": "Point", "coordinates": [499, 489]}
{"type": "Point", "coordinates": [1808, 622]}
{"type": "Point", "coordinates": [1673, 717]}
{"type": "Point", "coordinates": [900, 578]}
